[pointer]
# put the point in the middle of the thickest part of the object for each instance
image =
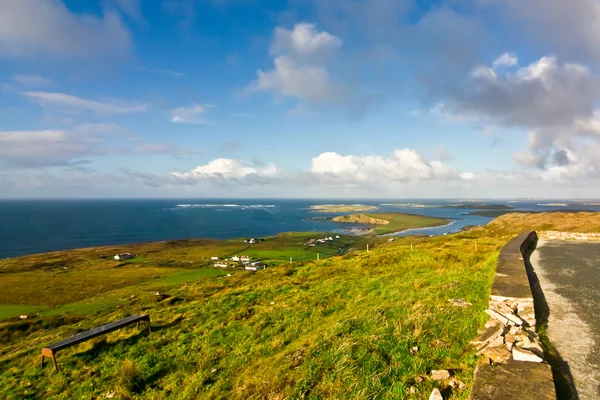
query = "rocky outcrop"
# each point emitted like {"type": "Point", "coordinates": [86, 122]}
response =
{"type": "Point", "coordinates": [360, 219]}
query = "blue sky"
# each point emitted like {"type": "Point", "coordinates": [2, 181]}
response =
{"type": "Point", "coordinates": [299, 98]}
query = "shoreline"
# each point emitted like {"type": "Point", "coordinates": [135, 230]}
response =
{"type": "Point", "coordinates": [418, 229]}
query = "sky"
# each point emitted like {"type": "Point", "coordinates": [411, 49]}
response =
{"type": "Point", "coordinates": [300, 98]}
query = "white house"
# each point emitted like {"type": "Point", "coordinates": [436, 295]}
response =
{"type": "Point", "coordinates": [124, 256]}
{"type": "Point", "coordinates": [221, 264]}
{"type": "Point", "coordinates": [244, 259]}
{"type": "Point", "coordinates": [235, 258]}
{"type": "Point", "coordinates": [255, 266]}
{"type": "Point", "coordinates": [214, 258]}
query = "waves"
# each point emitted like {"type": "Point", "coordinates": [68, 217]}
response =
{"type": "Point", "coordinates": [226, 205]}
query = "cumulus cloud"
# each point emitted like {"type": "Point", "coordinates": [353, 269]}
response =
{"type": "Point", "coordinates": [329, 169]}
{"type": "Point", "coordinates": [299, 70]}
{"type": "Point", "coordinates": [74, 105]}
{"type": "Point", "coordinates": [223, 170]}
{"type": "Point", "coordinates": [544, 93]}
{"type": "Point", "coordinates": [192, 114]}
{"type": "Point", "coordinates": [505, 60]}
{"type": "Point", "coordinates": [311, 68]}
{"type": "Point", "coordinates": [402, 166]}
{"type": "Point", "coordinates": [35, 27]}
{"type": "Point", "coordinates": [304, 42]}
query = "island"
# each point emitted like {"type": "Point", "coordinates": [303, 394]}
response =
{"type": "Point", "coordinates": [481, 206]}
{"type": "Point", "coordinates": [338, 208]}
{"type": "Point", "coordinates": [383, 223]}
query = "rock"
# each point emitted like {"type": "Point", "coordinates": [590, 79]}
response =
{"type": "Point", "coordinates": [440, 375]}
{"type": "Point", "coordinates": [23, 316]}
{"type": "Point", "coordinates": [496, 355]}
{"type": "Point", "coordinates": [513, 330]}
{"type": "Point", "coordinates": [487, 336]}
{"type": "Point", "coordinates": [412, 390]}
{"type": "Point", "coordinates": [491, 323]}
{"type": "Point", "coordinates": [414, 350]}
{"type": "Point", "coordinates": [498, 317]}
{"type": "Point", "coordinates": [417, 380]}
{"type": "Point", "coordinates": [535, 347]}
{"type": "Point", "coordinates": [435, 395]}
{"type": "Point", "coordinates": [525, 355]}
{"type": "Point", "coordinates": [461, 385]}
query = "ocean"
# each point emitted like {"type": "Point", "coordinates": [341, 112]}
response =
{"type": "Point", "coordinates": [36, 226]}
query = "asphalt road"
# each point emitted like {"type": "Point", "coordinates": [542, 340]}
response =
{"type": "Point", "coordinates": [569, 274]}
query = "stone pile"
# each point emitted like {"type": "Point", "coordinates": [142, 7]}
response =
{"type": "Point", "coordinates": [510, 332]}
{"type": "Point", "coordinates": [555, 235]}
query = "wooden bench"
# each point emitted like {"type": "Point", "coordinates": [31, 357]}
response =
{"type": "Point", "coordinates": [51, 350]}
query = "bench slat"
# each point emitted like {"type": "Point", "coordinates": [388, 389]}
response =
{"type": "Point", "coordinates": [100, 330]}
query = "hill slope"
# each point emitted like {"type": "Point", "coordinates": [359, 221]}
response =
{"type": "Point", "coordinates": [337, 328]}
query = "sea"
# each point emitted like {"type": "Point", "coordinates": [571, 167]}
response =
{"type": "Point", "coordinates": [36, 226]}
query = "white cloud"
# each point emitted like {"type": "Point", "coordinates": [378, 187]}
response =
{"type": "Point", "coordinates": [227, 169]}
{"type": "Point", "coordinates": [32, 80]}
{"type": "Point", "coordinates": [302, 59]}
{"type": "Point", "coordinates": [36, 27]}
{"type": "Point", "coordinates": [73, 105]}
{"type": "Point", "coordinates": [191, 114]}
{"type": "Point", "coordinates": [304, 42]}
{"type": "Point", "coordinates": [403, 166]}
{"type": "Point", "coordinates": [505, 60]}
{"type": "Point", "coordinates": [544, 93]}
{"type": "Point", "coordinates": [301, 82]}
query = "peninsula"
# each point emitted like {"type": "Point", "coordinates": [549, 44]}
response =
{"type": "Point", "coordinates": [382, 223]}
{"type": "Point", "coordinates": [338, 208]}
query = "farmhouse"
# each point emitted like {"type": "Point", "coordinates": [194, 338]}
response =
{"type": "Point", "coordinates": [214, 258]}
{"type": "Point", "coordinates": [124, 256]}
{"type": "Point", "coordinates": [221, 264]}
{"type": "Point", "coordinates": [255, 266]}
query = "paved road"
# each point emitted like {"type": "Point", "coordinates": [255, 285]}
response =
{"type": "Point", "coordinates": [569, 274]}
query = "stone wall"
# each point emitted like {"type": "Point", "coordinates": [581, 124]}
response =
{"type": "Point", "coordinates": [555, 235]}
{"type": "Point", "coordinates": [512, 357]}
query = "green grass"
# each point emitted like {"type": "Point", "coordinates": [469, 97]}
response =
{"type": "Point", "coordinates": [8, 311]}
{"type": "Point", "coordinates": [186, 276]}
{"type": "Point", "coordinates": [339, 328]}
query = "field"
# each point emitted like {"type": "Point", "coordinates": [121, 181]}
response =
{"type": "Point", "coordinates": [396, 222]}
{"type": "Point", "coordinates": [339, 328]}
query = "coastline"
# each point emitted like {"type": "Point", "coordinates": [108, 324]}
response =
{"type": "Point", "coordinates": [452, 222]}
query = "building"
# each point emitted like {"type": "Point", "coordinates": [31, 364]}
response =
{"type": "Point", "coordinates": [244, 259]}
{"type": "Point", "coordinates": [235, 258]}
{"type": "Point", "coordinates": [214, 258]}
{"type": "Point", "coordinates": [124, 256]}
{"type": "Point", "coordinates": [221, 264]}
{"type": "Point", "coordinates": [255, 266]}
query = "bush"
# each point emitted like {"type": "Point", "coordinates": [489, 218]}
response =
{"type": "Point", "coordinates": [130, 377]}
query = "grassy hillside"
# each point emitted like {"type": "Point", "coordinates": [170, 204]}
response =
{"type": "Point", "coordinates": [392, 222]}
{"type": "Point", "coordinates": [340, 328]}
